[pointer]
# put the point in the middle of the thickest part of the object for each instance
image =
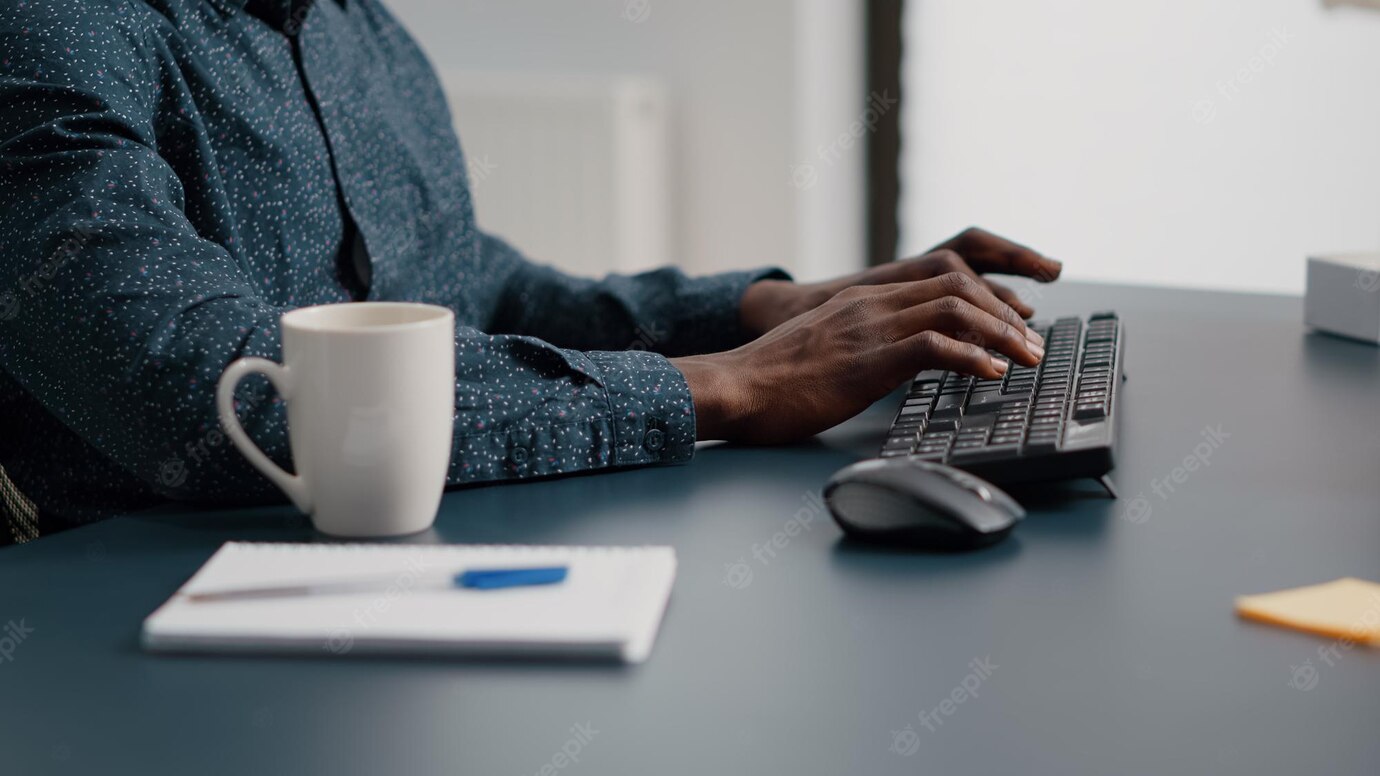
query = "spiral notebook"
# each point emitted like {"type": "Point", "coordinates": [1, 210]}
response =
{"type": "Point", "coordinates": [609, 606]}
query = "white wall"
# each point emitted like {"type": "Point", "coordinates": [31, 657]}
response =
{"type": "Point", "coordinates": [742, 115]}
{"type": "Point", "coordinates": [1186, 143]}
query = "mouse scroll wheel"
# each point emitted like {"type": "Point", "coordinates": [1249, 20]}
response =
{"type": "Point", "coordinates": [973, 484]}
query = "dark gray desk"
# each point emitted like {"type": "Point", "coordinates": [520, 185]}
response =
{"type": "Point", "coordinates": [1110, 626]}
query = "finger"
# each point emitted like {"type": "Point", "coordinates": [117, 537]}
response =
{"type": "Point", "coordinates": [905, 271]}
{"type": "Point", "coordinates": [1010, 297]}
{"type": "Point", "coordinates": [987, 252]}
{"type": "Point", "coordinates": [965, 287]}
{"type": "Point", "coordinates": [961, 320]}
{"type": "Point", "coordinates": [932, 350]}
{"type": "Point", "coordinates": [942, 262]}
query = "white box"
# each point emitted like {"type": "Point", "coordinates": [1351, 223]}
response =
{"type": "Point", "coordinates": [1343, 295]}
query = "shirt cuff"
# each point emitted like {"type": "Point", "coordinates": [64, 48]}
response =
{"type": "Point", "coordinates": [650, 408]}
{"type": "Point", "coordinates": [713, 302]}
{"type": "Point", "coordinates": [629, 408]}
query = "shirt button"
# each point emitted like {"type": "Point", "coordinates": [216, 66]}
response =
{"type": "Point", "coordinates": [654, 440]}
{"type": "Point", "coordinates": [518, 455]}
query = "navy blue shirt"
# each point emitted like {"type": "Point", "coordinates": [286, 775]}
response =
{"type": "Point", "coordinates": [176, 174]}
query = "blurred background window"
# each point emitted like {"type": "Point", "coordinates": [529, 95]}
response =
{"type": "Point", "coordinates": [1211, 144]}
{"type": "Point", "coordinates": [1180, 143]}
{"type": "Point", "coordinates": [636, 132]}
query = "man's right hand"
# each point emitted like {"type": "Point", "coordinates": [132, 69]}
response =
{"type": "Point", "coordinates": [827, 365]}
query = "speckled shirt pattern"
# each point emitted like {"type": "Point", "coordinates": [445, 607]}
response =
{"type": "Point", "coordinates": [177, 174]}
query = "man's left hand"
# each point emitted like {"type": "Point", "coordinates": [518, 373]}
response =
{"type": "Point", "coordinates": [769, 303]}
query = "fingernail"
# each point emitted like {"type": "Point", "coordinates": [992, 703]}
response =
{"type": "Point", "coordinates": [1036, 350]}
{"type": "Point", "coordinates": [1033, 337]}
{"type": "Point", "coordinates": [999, 365]}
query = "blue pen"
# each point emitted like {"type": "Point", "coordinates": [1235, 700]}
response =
{"type": "Point", "coordinates": [473, 579]}
{"type": "Point", "coordinates": [493, 579]}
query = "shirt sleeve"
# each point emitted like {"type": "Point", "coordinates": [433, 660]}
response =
{"type": "Point", "coordinates": [663, 311]}
{"type": "Point", "coordinates": [118, 317]}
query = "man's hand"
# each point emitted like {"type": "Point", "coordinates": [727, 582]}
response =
{"type": "Point", "coordinates": [769, 303]}
{"type": "Point", "coordinates": [828, 364]}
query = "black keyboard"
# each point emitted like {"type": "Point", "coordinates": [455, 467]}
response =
{"type": "Point", "coordinates": [1053, 421]}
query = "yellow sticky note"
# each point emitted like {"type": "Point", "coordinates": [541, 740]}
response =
{"type": "Point", "coordinates": [1348, 608]}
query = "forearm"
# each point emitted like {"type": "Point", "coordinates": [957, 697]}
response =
{"type": "Point", "coordinates": [664, 310]}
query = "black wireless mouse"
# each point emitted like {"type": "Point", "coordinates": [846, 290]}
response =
{"type": "Point", "coordinates": [901, 501]}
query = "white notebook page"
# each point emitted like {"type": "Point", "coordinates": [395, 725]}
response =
{"type": "Point", "coordinates": [610, 604]}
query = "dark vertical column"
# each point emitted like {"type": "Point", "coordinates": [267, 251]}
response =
{"type": "Point", "coordinates": [884, 146]}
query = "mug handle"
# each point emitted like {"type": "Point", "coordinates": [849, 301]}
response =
{"type": "Point", "coordinates": [281, 378]}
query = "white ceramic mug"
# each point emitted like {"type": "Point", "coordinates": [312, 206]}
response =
{"type": "Point", "coordinates": [370, 391]}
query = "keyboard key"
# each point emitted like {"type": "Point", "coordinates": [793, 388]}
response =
{"type": "Point", "coordinates": [976, 423]}
{"type": "Point", "coordinates": [981, 403]}
{"type": "Point", "coordinates": [1089, 411]}
{"type": "Point", "coordinates": [980, 454]}
{"type": "Point", "coordinates": [942, 425]}
{"type": "Point", "coordinates": [956, 382]}
{"type": "Point", "coordinates": [948, 406]}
